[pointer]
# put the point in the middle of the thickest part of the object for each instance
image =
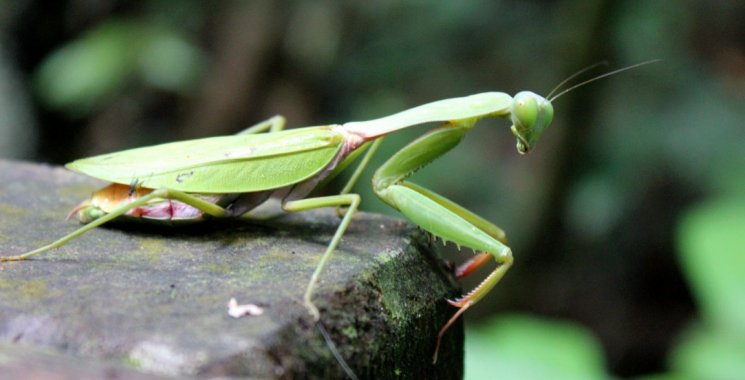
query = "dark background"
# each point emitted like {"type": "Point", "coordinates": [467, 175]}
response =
{"type": "Point", "coordinates": [626, 221]}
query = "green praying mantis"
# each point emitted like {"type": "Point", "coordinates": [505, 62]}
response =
{"type": "Point", "coordinates": [228, 176]}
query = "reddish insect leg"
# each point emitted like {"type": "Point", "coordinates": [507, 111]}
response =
{"type": "Point", "coordinates": [475, 295]}
{"type": "Point", "coordinates": [471, 265]}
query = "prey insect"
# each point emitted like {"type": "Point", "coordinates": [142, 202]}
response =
{"type": "Point", "coordinates": [230, 175]}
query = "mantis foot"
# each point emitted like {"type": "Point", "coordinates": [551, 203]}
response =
{"type": "Point", "coordinates": [312, 309]}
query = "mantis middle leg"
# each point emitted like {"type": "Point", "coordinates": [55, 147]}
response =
{"type": "Point", "coordinates": [352, 201]}
{"type": "Point", "coordinates": [438, 215]}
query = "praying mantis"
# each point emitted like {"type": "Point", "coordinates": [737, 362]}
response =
{"type": "Point", "coordinates": [228, 176]}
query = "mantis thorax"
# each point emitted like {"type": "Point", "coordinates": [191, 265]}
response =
{"type": "Point", "coordinates": [530, 115]}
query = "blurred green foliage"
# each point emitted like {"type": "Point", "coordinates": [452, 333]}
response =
{"type": "Point", "coordinates": [712, 252]}
{"type": "Point", "coordinates": [712, 246]}
{"type": "Point", "coordinates": [91, 69]}
{"type": "Point", "coordinates": [523, 347]}
{"type": "Point", "coordinates": [599, 216]}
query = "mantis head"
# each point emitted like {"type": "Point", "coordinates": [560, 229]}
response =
{"type": "Point", "coordinates": [530, 115]}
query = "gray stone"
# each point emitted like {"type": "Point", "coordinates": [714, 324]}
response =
{"type": "Point", "coordinates": [152, 299]}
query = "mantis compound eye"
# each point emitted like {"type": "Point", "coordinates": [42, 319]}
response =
{"type": "Point", "coordinates": [530, 114]}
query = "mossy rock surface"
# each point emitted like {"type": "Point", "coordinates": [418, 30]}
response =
{"type": "Point", "coordinates": [152, 299]}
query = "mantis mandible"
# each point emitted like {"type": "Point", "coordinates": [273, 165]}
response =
{"type": "Point", "coordinates": [228, 176]}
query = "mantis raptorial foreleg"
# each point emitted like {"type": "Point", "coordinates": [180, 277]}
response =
{"type": "Point", "coordinates": [438, 215]}
{"type": "Point", "coordinates": [472, 264]}
{"type": "Point", "coordinates": [476, 220]}
{"type": "Point", "coordinates": [504, 263]}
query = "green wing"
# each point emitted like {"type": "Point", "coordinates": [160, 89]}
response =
{"type": "Point", "coordinates": [221, 165]}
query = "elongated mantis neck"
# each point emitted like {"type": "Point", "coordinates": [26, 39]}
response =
{"type": "Point", "coordinates": [375, 129]}
{"type": "Point", "coordinates": [463, 111]}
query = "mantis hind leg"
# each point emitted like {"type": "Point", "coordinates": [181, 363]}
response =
{"type": "Point", "coordinates": [194, 201]}
{"type": "Point", "coordinates": [273, 124]}
{"type": "Point", "coordinates": [440, 216]}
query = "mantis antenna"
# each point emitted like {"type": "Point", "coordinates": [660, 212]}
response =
{"type": "Point", "coordinates": [597, 77]}
{"type": "Point", "coordinates": [586, 69]}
